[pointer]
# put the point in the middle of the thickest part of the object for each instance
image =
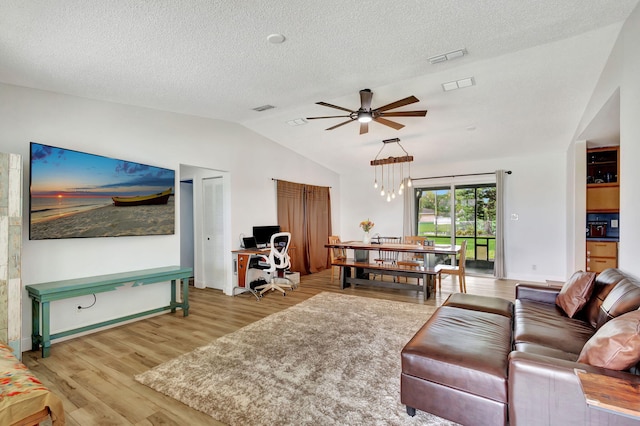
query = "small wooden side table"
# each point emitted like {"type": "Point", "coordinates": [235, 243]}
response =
{"type": "Point", "coordinates": [611, 393]}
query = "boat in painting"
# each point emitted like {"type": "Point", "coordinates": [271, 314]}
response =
{"type": "Point", "coordinates": [143, 200]}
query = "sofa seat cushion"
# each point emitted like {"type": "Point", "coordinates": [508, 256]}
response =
{"type": "Point", "coordinates": [546, 325]}
{"type": "Point", "coordinates": [494, 305]}
{"type": "Point", "coordinates": [533, 348]}
{"type": "Point", "coordinates": [462, 349]}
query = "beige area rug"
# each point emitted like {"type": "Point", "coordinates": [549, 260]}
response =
{"type": "Point", "coordinates": [331, 360]}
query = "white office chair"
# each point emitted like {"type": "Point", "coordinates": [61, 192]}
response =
{"type": "Point", "coordinates": [278, 260]}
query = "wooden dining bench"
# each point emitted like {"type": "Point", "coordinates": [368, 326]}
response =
{"type": "Point", "coordinates": [43, 293]}
{"type": "Point", "coordinates": [363, 269]}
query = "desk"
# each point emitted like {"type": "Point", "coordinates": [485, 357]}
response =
{"type": "Point", "coordinates": [44, 293]}
{"type": "Point", "coordinates": [241, 278]}
{"type": "Point", "coordinates": [427, 272]}
{"type": "Point", "coordinates": [242, 275]}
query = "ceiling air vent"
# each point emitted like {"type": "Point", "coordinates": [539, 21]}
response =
{"type": "Point", "coordinates": [458, 84]}
{"type": "Point", "coordinates": [263, 108]}
{"type": "Point", "coordinates": [447, 56]}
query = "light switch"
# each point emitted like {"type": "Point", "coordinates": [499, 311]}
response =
{"type": "Point", "coordinates": [514, 216]}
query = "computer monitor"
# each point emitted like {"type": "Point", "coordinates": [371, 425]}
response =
{"type": "Point", "coordinates": [249, 242]}
{"type": "Point", "coordinates": [263, 233]}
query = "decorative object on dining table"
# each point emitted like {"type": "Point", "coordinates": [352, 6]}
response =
{"type": "Point", "coordinates": [390, 162]}
{"type": "Point", "coordinates": [366, 226]}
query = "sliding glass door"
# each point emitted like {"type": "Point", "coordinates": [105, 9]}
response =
{"type": "Point", "coordinates": [469, 215]}
{"type": "Point", "coordinates": [434, 214]}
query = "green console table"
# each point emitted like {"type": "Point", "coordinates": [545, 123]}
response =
{"type": "Point", "coordinates": [43, 293]}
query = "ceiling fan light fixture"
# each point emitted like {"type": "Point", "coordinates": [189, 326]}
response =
{"type": "Point", "coordinates": [365, 116]}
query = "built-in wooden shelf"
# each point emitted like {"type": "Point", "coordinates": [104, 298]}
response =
{"type": "Point", "coordinates": [611, 393]}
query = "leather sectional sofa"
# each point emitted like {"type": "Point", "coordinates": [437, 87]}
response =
{"type": "Point", "coordinates": [487, 361]}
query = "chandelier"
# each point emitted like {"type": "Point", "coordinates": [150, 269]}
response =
{"type": "Point", "coordinates": [395, 166]}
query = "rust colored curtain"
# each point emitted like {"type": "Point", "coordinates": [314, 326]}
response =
{"type": "Point", "coordinates": [305, 211]}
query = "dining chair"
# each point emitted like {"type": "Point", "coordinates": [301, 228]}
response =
{"type": "Point", "coordinates": [458, 270]}
{"type": "Point", "coordinates": [336, 254]}
{"type": "Point", "coordinates": [412, 260]}
{"type": "Point", "coordinates": [413, 257]}
{"type": "Point", "coordinates": [385, 256]}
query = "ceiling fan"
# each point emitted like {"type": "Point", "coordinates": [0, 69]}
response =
{"type": "Point", "coordinates": [365, 114]}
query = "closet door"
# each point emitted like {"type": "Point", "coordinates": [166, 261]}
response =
{"type": "Point", "coordinates": [213, 232]}
{"type": "Point", "coordinates": [10, 250]}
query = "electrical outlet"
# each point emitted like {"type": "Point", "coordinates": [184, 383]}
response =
{"type": "Point", "coordinates": [514, 216]}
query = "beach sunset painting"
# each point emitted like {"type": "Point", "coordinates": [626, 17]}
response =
{"type": "Point", "coordinates": [75, 194]}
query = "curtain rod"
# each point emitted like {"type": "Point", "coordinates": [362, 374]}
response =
{"type": "Point", "coordinates": [301, 183]}
{"type": "Point", "coordinates": [454, 176]}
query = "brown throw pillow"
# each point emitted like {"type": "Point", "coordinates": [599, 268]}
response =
{"type": "Point", "coordinates": [576, 292]}
{"type": "Point", "coordinates": [616, 345]}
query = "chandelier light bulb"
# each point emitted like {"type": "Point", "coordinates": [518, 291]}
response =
{"type": "Point", "coordinates": [375, 177]}
{"type": "Point", "coordinates": [400, 191]}
{"type": "Point", "coordinates": [382, 191]}
{"type": "Point", "coordinates": [401, 185]}
{"type": "Point", "coordinates": [388, 198]}
{"type": "Point", "coordinates": [393, 194]}
{"type": "Point", "coordinates": [409, 182]}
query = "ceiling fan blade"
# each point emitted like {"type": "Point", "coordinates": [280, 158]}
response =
{"type": "Point", "coordinates": [404, 113]}
{"type": "Point", "coordinates": [333, 106]}
{"type": "Point", "coordinates": [364, 128]}
{"type": "Point", "coordinates": [328, 116]}
{"type": "Point", "coordinates": [389, 123]}
{"type": "Point", "coordinates": [398, 104]}
{"type": "Point", "coordinates": [338, 125]}
{"type": "Point", "coordinates": [365, 99]}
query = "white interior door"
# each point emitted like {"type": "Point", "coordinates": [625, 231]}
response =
{"type": "Point", "coordinates": [213, 232]}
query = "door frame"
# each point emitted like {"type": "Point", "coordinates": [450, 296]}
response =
{"type": "Point", "coordinates": [198, 174]}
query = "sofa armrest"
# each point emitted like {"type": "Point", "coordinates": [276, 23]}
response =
{"type": "Point", "coordinates": [546, 391]}
{"type": "Point", "coordinates": [537, 293]}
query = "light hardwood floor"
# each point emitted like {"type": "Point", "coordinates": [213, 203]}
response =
{"type": "Point", "coordinates": [93, 374]}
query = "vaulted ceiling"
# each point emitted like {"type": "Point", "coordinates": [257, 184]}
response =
{"type": "Point", "coordinates": [533, 64]}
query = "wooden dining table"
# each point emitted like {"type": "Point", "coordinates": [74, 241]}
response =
{"type": "Point", "coordinates": [364, 268]}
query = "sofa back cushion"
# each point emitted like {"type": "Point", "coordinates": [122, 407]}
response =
{"type": "Point", "coordinates": [575, 293]}
{"type": "Point", "coordinates": [605, 282]}
{"type": "Point", "coordinates": [623, 298]}
{"type": "Point", "coordinates": [616, 345]}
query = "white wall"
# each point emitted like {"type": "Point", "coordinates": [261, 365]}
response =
{"type": "Point", "coordinates": [535, 191]}
{"type": "Point", "coordinates": [622, 71]}
{"type": "Point", "coordinates": [576, 206]}
{"type": "Point", "coordinates": [148, 136]}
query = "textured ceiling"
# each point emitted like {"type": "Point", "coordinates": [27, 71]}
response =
{"type": "Point", "coordinates": [535, 65]}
